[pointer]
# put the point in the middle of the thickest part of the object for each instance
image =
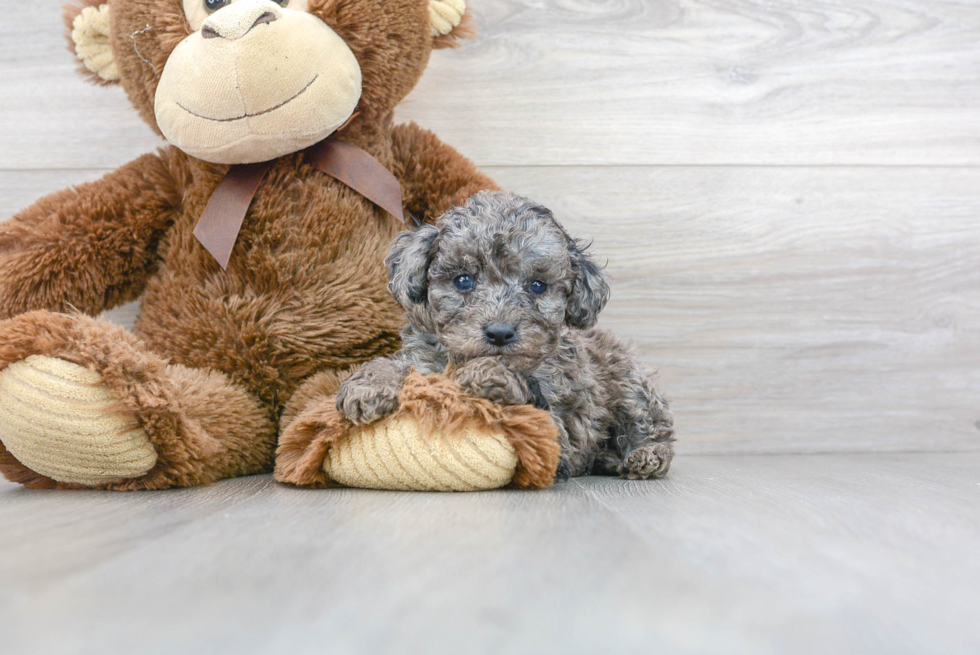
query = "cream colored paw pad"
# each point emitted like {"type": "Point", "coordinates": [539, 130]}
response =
{"type": "Point", "coordinates": [395, 455]}
{"type": "Point", "coordinates": [59, 419]}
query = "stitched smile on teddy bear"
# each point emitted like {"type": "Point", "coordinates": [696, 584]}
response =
{"type": "Point", "coordinates": [247, 115]}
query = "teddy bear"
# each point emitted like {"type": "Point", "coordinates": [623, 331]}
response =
{"type": "Point", "coordinates": [255, 240]}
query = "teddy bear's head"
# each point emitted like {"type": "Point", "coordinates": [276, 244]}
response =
{"type": "Point", "coordinates": [241, 81]}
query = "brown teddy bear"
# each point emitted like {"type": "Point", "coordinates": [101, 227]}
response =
{"type": "Point", "coordinates": [255, 240]}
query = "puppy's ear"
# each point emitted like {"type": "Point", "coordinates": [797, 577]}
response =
{"type": "Point", "coordinates": [590, 290]}
{"type": "Point", "coordinates": [408, 265]}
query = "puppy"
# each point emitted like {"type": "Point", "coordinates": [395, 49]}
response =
{"type": "Point", "coordinates": [497, 289]}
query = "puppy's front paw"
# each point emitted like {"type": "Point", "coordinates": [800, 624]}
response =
{"type": "Point", "coordinates": [650, 461]}
{"type": "Point", "coordinates": [488, 378]}
{"type": "Point", "coordinates": [364, 401]}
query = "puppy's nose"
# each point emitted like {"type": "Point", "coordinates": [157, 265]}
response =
{"type": "Point", "coordinates": [500, 334]}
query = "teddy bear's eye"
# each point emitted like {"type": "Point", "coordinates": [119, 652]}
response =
{"type": "Point", "coordinates": [215, 5]}
{"type": "Point", "coordinates": [538, 287]}
{"type": "Point", "coordinates": [463, 282]}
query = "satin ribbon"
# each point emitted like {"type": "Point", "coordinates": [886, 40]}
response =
{"type": "Point", "coordinates": [222, 219]}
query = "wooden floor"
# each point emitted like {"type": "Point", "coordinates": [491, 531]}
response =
{"type": "Point", "coordinates": [873, 553]}
{"type": "Point", "coordinates": [788, 196]}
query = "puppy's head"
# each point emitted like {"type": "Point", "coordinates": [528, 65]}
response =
{"type": "Point", "coordinates": [496, 277]}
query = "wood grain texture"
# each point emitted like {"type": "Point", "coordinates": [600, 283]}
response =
{"type": "Point", "coordinates": [591, 82]}
{"type": "Point", "coordinates": [713, 82]}
{"type": "Point", "coordinates": [792, 309]}
{"type": "Point", "coordinates": [774, 554]}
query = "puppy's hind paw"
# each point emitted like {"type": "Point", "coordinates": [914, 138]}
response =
{"type": "Point", "coordinates": [646, 462]}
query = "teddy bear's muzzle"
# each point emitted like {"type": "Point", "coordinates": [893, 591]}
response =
{"type": "Point", "coordinates": [255, 83]}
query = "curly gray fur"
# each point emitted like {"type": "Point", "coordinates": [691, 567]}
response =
{"type": "Point", "coordinates": [522, 334]}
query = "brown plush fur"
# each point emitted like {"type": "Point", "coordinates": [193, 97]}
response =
{"type": "Point", "coordinates": [305, 289]}
{"type": "Point", "coordinates": [465, 30]}
{"type": "Point", "coordinates": [202, 426]}
{"type": "Point", "coordinates": [437, 404]}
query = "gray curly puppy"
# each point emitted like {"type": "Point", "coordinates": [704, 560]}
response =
{"type": "Point", "coordinates": [498, 289]}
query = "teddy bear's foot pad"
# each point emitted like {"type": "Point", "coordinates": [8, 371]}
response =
{"type": "Point", "coordinates": [395, 455]}
{"type": "Point", "coordinates": [59, 419]}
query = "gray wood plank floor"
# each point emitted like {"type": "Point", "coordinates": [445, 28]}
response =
{"type": "Point", "coordinates": [872, 553]}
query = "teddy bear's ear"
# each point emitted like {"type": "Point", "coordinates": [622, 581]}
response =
{"type": "Point", "coordinates": [450, 22]}
{"type": "Point", "coordinates": [88, 36]}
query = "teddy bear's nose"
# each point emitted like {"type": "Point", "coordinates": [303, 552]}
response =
{"type": "Point", "coordinates": [237, 20]}
{"type": "Point", "coordinates": [500, 334]}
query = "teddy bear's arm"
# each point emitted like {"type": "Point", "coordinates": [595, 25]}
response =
{"type": "Point", "coordinates": [89, 247]}
{"type": "Point", "coordinates": [434, 176]}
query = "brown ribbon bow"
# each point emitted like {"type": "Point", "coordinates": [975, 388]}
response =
{"type": "Point", "coordinates": [218, 228]}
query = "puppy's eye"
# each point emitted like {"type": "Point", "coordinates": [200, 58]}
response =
{"type": "Point", "coordinates": [538, 287]}
{"type": "Point", "coordinates": [214, 5]}
{"type": "Point", "coordinates": [281, 3]}
{"type": "Point", "coordinates": [463, 283]}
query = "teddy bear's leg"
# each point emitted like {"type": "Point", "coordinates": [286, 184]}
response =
{"type": "Point", "coordinates": [300, 455]}
{"type": "Point", "coordinates": [440, 439]}
{"type": "Point", "coordinates": [315, 389]}
{"type": "Point", "coordinates": [83, 403]}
